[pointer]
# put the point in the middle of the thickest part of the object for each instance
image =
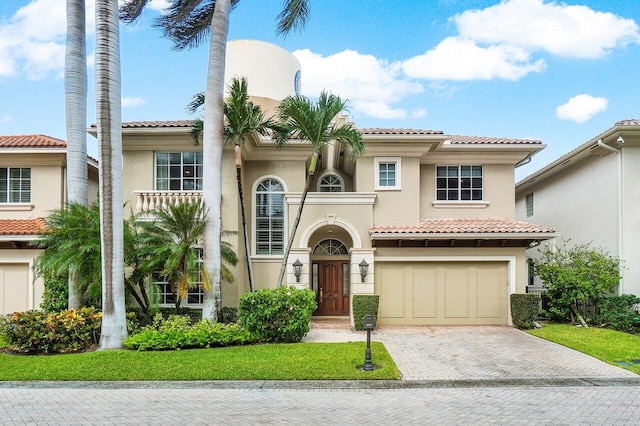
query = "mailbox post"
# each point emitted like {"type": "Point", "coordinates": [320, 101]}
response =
{"type": "Point", "coordinates": [368, 323]}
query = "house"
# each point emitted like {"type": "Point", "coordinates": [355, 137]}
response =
{"type": "Point", "coordinates": [32, 183]}
{"type": "Point", "coordinates": [591, 195]}
{"type": "Point", "coordinates": [424, 219]}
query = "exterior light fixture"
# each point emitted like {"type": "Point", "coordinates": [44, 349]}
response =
{"type": "Point", "coordinates": [297, 269]}
{"type": "Point", "coordinates": [364, 266]}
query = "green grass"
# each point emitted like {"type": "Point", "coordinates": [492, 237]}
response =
{"type": "Point", "coordinates": [607, 345]}
{"type": "Point", "coordinates": [300, 361]}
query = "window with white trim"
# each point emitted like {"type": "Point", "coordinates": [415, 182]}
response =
{"type": "Point", "coordinates": [529, 202]}
{"type": "Point", "coordinates": [459, 183]}
{"type": "Point", "coordinates": [330, 246]}
{"type": "Point", "coordinates": [15, 185]}
{"type": "Point", "coordinates": [179, 171]}
{"type": "Point", "coordinates": [269, 216]}
{"type": "Point", "coordinates": [330, 183]}
{"type": "Point", "coordinates": [387, 173]}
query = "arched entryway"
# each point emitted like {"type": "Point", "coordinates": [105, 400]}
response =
{"type": "Point", "coordinates": [330, 270]}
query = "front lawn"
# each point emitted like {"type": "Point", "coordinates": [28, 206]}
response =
{"type": "Point", "coordinates": [299, 361]}
{"type": "Point", "coordinates": [610, 346]}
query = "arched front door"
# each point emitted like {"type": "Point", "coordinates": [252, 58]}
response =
{"type": "Point", "coordinates": [330, 278]}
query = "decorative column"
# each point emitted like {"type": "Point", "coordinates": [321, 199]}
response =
{"type": "Point", "coordinates": [304, 256]}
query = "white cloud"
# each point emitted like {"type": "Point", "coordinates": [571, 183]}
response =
{"type": "Point", "coordinates": [460, 59]}
{"type": "Point", "coordinates": [132, 102]}
{"type": "Point", "coordinates": [372, 85]}
{"type": "Point", "coordinates": [557, 28]}
{"type": "Point", "coordinates": [581, 108]}
{"type": "Point", "coordinates": [32, 41]}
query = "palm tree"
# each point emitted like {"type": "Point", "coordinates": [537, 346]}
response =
{"type": "Point", "coordinates": [75, 95]}
{"type": "Point", "coordinates": [109, 132]}
{"type": "Point", "coordinates": [242, 118]}
{"type": "Point", "coordinates": [187, 23]}
{"type": "Point", "coordinates": [315, 123]}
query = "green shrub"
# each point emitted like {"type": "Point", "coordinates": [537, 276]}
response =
{"type": "Point", "coordinates": [364, 304]}
{"type": "Point", "coordinates": [34, 332]}
{"type": "Point", "coordinates": [177, 332]}
{"type": "Point", "coordinates": [619, 313]}
{"type": "Point", "coordinates": [228, 315]}
{"type": "Point", "coordinates": [194, 315]}
{"type": "Point", "coordinates": [277, 315]}
{"type": "Point", "coordinates": [55, 297]}
{"type": "Point", "coordinates": [524, 310]}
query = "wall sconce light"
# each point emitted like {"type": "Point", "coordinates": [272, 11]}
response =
{"type": "Point", "coordinates": [364, 266]}
{"type": "Point", "coordinates": [297, 269]}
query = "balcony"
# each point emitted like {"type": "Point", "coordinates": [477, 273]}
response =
{"type": "Point", "coordinates": [146, 201]}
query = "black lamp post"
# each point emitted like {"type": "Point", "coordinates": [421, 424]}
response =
{"type": "Point", "coordinates": [368, 323]}
{"type": "Point", "coordinates": [364, 266]}
{"type": "Point", "coordinates": [297, 269]}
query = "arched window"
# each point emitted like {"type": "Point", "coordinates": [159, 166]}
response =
{"type": "Point", "coordinates": [331, 183]}
{"type": "Point", "coordinates": [269, 214]}
{"type": "Point", "coordinates": [330, 247]}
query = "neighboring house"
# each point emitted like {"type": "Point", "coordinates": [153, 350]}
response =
{"type": "Point", "coordinates": [592, 195]}
{"type": "Point", "coordinates": [429, 217]}
{"type": "Point", "coordinates": [32, 183]}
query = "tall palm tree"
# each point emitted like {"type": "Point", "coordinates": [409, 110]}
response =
{"type": "Point", "coordinates": [187, 23]}
{"type": "Point", "coordinates": [315, 123]}
{"type": "Point", "coordinates": [242, 118]}
{"type": "Point", "coordinates": [109, 132]}
{"type": "Point", "coordinates": [75, 95]}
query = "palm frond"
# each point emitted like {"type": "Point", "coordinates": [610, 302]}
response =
{"type": "Point", "coordinates": [131, 10]}
{"type": "Point", "coordinates": [293, 16]}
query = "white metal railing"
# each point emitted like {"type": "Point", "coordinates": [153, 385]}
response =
{"type": "Point", "coordinates": [146, 201]}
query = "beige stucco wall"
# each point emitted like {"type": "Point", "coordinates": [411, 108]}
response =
{"type": "Point", "coordinates": [498, 181]}
{"type": "Point", "coordinates": [20, 289]}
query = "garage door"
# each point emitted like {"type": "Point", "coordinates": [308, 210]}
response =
{"type": "Point", "coordinates": [430, 293]}
{"type": "Point", "coordinates": [14, 287]}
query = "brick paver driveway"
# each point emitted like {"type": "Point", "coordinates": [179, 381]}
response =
{"type": "Point", "coordinates": [462, 353]}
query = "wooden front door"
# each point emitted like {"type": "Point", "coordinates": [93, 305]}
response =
{"type": "Point", "coordinates": [332, 296]}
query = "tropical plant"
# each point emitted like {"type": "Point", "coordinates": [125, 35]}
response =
{"type": "Point", "coordinates": [242, 118]}
{"type": "Point", "coordinates": [187, 23]}
{"type": "Point", "coordinates": [316, 124]}
{"type": "Point", "coordinates": [573, 275]}
{"type": "Point", "coordinates": [75, 96]}
{"type": "Point", "coordinates": [109, 132]}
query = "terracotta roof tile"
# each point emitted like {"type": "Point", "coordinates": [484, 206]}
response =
{"type": "Point", "coordinates": [632, 122]}
{"type": "Point", "coordinates": [482, 140]}
{"type": "Point", "coordinates": [22, 226]}
{"type": "Point", "coordinates": [492, 225]}
{"type": "Point", "coordinates": [392, 131]}
{"type": "Point", "coordinates": [31, 141]}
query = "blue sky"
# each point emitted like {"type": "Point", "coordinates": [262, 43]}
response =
{"type": "Point", "coordinates": [560, 72]}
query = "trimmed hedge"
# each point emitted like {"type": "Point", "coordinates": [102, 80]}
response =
{"type": "Point", "coordinates": [364, 304]}
{"type": "Point", "coordinates": [277, 315]}
{"type": "Point", "coordinates": [524, 310]}
{"type": "Point", "coordinates": [33, 332]}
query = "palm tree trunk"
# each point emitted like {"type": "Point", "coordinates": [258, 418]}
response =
{"type": "Point", "coordinates": [109, 130]}
{"type": "Point", "coordinates": [307, 184]}
{"type": "Point", "coordinates": [212, 145]}
{"type": "Point", "coordinates": [75, 96]}
{"type": "Point", "coordinates": [243, 209]}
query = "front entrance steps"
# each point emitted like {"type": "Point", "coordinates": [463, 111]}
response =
{"type": "Point", "coordinates": [330, 322]}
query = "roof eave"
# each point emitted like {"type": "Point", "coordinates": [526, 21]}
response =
{"type": "Point", "coordinates": [463, 236]}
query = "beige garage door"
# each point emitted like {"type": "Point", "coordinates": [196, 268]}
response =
{"type": "Point", "coordinates": [430, 293]}
{"type": "Point", "coordinates": [14, 287]}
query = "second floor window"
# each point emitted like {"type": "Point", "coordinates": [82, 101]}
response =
{"type": "Point", "coordinates": [529, 202]}
{"type": "Point", "coordinates": [459, 183]}
{"type": "Point", "coordinates": [15, 185]}
{"type": "Point", "coordinates": [330, 183]}
{"type": "Point", "coordinates": [179, 171]}
{"type": "Point", "coordinates": [387, 173]}
{"type": "Point", "coordinates": [269, 208]}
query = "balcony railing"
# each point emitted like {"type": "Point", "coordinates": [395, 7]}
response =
{"type": "Point", "coordinates": [146, 201]}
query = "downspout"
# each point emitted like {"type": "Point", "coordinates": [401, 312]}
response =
{"type": "Point", "coordinates": [620, 202]}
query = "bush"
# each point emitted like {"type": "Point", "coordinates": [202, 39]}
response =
{"type": "Point", "coordinates": [34, 332]}
{"type": "Point", "coordinates": [228, 315]}
{"type": "Point", "coordinates": [524, 310]}
{"type": "Point", "coordinates": [177, 332]}
{"type": "Point", "coordinates": [55, 297]}
{"type": "Point", "coordinates": [364, 304]}
{"type": "Point", "coordinates": [277, 315]}
{"type": "Point", "coordinates": [619, 313]}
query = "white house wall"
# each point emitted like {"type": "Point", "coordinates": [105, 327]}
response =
{"type": "Point", "coordinates": [631, 220]}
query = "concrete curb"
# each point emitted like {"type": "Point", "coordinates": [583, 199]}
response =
{"type": "Point", "coordinates": [324, 384]}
